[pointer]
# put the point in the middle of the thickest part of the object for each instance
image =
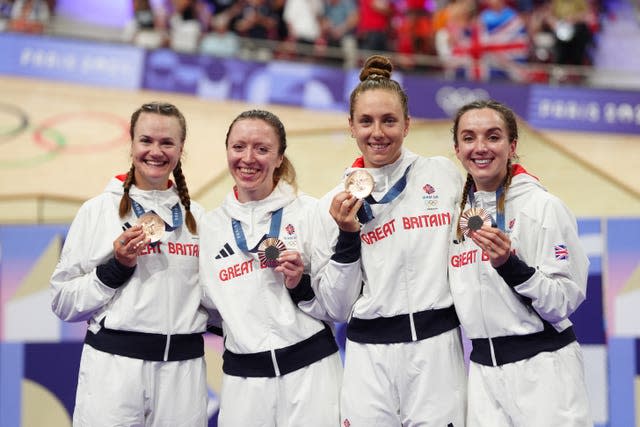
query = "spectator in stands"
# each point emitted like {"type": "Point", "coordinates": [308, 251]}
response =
{"type": "Point", "coordinates": [225, 12]}
{"type": "Point", "coordinates": [189, 21]}
{"type": "Point", "coordinates": [29, 16]}
{"type": "Point", "coordinates": [503, 43]}
{"type": "Point", "coordinates": [415, 32]}
{"type": "Point", "coordinates": [256, 20]}
{"type": "Point", "coordinates": [543, 39]}
{"type": "Point", "coordinates": [449, 26]}
{"type": "Point", "coordinates": [524, 6]}
{"type": "Point", "coordinates": [148, 28]}
{"type": "Point", "coordinates": [143, 14]}
{"type": "Point", "coordinates": [339, 22]}
{"type": "Point", "coordinates": [219, 6]}
{"type": "Point", "coordinates": [277, 11]}
{"type": "Point", "coordinates": [194, 10]}
{"type": "Point", "coordinates": [495, 13]}
{"type": "Point", "coordinates": [5, 13]}
{"type": "Point", "coordinates": [303, 22]}
{"type": "Point", "coordinates": [221, 40]}
{"type": "Point", "coordinates": [340, 19]}
{"type": "Point", "coordinates": [571, 22]}
{"type": "Point", "coordinates": [257, 23]}
{"type": "Point", "coordinates": [374, 26]}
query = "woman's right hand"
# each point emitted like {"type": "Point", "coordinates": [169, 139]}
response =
{"type": "Point", "coordinates": [129, 245]}
{"type": "Point", "coordinates": [344, 209]}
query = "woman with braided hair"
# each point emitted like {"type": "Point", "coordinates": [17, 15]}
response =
{"type": "Point", "coordinates": [404, 363]}
{"type": "Point", "coordinates": [129, 268]}
{"type": "Point", "coordinates": [517, 272]}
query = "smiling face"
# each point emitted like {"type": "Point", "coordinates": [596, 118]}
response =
{"type": "Point", "coordinates": [483, 147]}
{"type": "Point", "coordinates": [156, 148]}
{"type": "Point", "coordinates": [379, 125]}
{"type": "Point", "coordinates": [253, 156]}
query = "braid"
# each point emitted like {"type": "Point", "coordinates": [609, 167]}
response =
{"type": "Point", "coordinates": [505, 186]}
{"type": "Point", "coordinates": [125, 201]}
{"type": "Point", "coordinates": [183, 192]}
{"type": "Point", "coordinates": [465, 193]}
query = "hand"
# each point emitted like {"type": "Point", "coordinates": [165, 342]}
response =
{"type": "Point", "coordinates": [494, 243]}
{"type": "Point", "coordinates": [129, 245]}
{"type": "Point", "coordinates": [344, 209]}
{"type": "Point", "coordinates": [292, 266]}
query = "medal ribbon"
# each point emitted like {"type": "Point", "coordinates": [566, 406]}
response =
{"type": "Point", "coordinates": [176, 214]}
{"type": "Point", "coordinates": [499, 215]}
{"type": "Point", "coordinates": [365, 213]}
{"type": "Point", "coordinates": [274, 231]}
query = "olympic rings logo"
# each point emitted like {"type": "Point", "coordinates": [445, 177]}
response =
{"type": "Point", "coordinates": [47, 137]}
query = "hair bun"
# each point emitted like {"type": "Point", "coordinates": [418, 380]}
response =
{"type": "Point", "coordinates": [377, 66]}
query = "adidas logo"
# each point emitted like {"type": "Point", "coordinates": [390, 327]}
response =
{"type": "Point", "coordinates": [226, 251]}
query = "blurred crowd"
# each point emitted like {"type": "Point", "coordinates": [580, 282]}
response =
{"type": "Point", "coordinates": [27, 16]}
{"type": "Point", "coordinates": [481, 39]}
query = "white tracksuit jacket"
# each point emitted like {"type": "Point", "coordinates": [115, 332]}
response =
{"type": "Point", "coordinates": [281, 361]}
{"type": "Point", "coordinates": [525, 356]}
{"type": "Point", "coordinates": [404, 359]}
{"type": "Point", "coordinates": [404, 261]}
{"type": "Point", "coordinates": [146, 365]}
{"type": "Point", "coordinates": [257, 311]}
{"type": "Point", "coordinates": [541, 229]}
{"type": "Point", "coordinates": [162, 296]}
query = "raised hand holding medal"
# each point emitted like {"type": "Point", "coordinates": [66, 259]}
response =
{"type": "Point", "coordinates": [129, 244]}
{"type": "Point", "coordinates": [359, 183]}
{"type": "Point", "coordinates": [492, 240]}
{"type": "Point", "coordinates": [273, 253]}
{"type": "Point", "coordinates": [152, 226]}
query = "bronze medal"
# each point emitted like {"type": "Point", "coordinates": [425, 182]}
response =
{"type": "Point", "coordinates": [474, 219]}
{"type": "Point", "coordinates": [269, 250]}
{"type": "Point", "coordinates": [152, 226]}
{"type": "Point", "coordinates": [359, 183]}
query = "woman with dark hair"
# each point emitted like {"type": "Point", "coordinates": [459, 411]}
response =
{"type": "Point", "coordinates": [129, 268]}
{"type": "Point", "coordinates": [517, 273]}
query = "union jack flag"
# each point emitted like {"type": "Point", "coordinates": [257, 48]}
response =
{"type": "Point", "coordinates": [492, 50]}
{"type": "Point", "coordinates": [561, 252]}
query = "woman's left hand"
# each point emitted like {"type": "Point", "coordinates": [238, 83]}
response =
{"type": "Point", "coordinates": [292, 266]}
{"type": "Point", "coordinates": [494, 243]}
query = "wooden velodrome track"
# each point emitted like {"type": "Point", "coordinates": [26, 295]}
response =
{"type": "Point", "coordinates": [61, 143]}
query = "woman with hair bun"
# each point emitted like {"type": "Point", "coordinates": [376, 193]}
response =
{"type": "Point", "coordinates": [404, 361]}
